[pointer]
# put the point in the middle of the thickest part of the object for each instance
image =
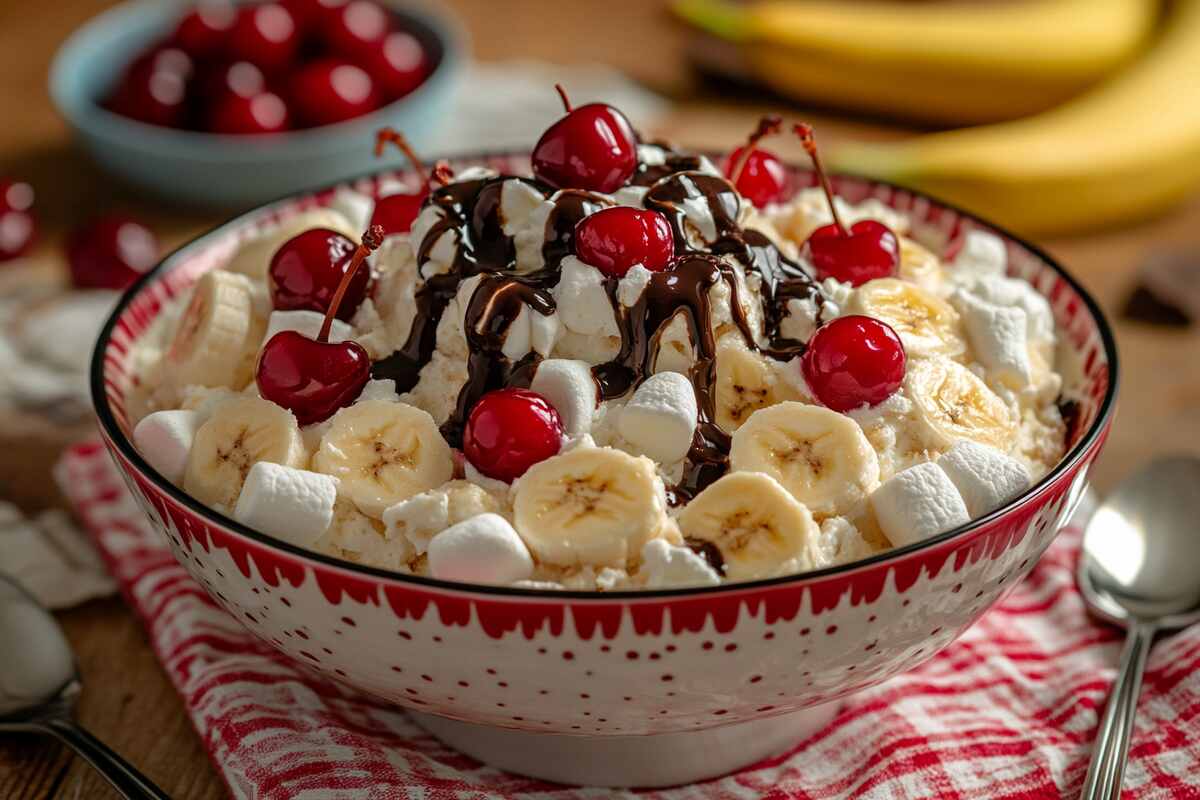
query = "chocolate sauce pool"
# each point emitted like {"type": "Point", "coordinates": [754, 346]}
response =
{"type": "Point", "coordinates": [471, 212]}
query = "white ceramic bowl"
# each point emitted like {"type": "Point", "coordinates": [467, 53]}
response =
{"type": "Point", "coordinates": [626, 688]}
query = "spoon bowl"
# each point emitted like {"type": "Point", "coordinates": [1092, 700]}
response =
{"type": "Point", "coordinates": [1141, 550]}
{"type": "Point", "coordinates": [1140, 569]}
{"type": "Point", "coordinates": [39, 685]}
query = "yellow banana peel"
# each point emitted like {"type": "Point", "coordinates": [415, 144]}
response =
{"type": "Point", "coordinates": [1124, 150]}
{"type": "Point", "coordinates": [946, 64]}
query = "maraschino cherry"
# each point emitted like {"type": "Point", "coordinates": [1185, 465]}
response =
{"type": "Point", "coordinates": [309, 271]}
{"type": "Point", "coordinates": [154, 89]}
{"type": "Point", "coordinates": [266, 36]}
{"type": "Point", "coordinates": [395, 213]}
{"type": "Point", "coordinates": [313, 378]}
{"type": "Point", "coordinates": [355, 28]}
{"type": "Point", "coordinates": [868, 250]}
{"type": "Point", "coordinates": [757, 174]}
{"type": "Point", "coordinates": [593, 147]}
{"type": "Point", "coordinates": [264, 112]}
{"type": "Point", "coordinates": [614, 239]}
{"type": "Point", "coordinates": [331, 90]}
{"type": "Point", "coordinates": [18, 227]}
{"type": "Point", "coordinates": [398, 63]}
{"type": "Point", "coordinates": [203, 30]}
{"type": "Point", "coordinates": [111, 253]}
{"type": "Point", "coordinates": [852, 362]}
{"type": "Point", "coordinates": [509, 431]}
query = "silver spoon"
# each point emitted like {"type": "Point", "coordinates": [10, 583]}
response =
{"type": "Point", "coordinates": [1140, 569]}
{"type": "Point", "coordinates": [39, 685]}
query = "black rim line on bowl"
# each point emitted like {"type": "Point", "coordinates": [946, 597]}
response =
{"type": "Point", "coordinates": [123, 443]}
{"type": "Point", "coordinates": [427, 24]}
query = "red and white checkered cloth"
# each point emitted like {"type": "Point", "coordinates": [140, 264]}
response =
{"type": "Point", "coordinates": [1007, 711]}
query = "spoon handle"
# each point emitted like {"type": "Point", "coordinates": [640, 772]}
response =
{"type": "Point", "coordinates": [1107, 770]}
{"type": "Point", "coordinates": [128, 782]}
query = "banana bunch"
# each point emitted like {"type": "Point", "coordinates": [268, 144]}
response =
{"type": "Point", "coordinates": [942, 63]}
{"type": "Point", "coordinates": [1126, 149]}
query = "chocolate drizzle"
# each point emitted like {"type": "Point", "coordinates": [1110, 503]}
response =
{"type": "Point", "coordinates": [471, 212]}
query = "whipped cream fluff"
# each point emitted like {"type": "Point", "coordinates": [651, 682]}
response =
{"type": "Point", "coordinates": [668, 383]}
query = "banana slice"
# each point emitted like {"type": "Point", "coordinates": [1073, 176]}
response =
{"type": "Point", "coordinates": [926, 324]}
{"type": "Point", "coordinates": [759, 528]}
{"type": "Point", "coordinates": [918, 265]}
{"type": "Point", "coordinates": [745, 383]}
{"type": "Point", "coordinates": [383, 452]}
{"type": "Point", "coordinates": [589, 506]}
{"type": "Point", "coordinates": [820, 456]}
{"type": "Point", "coordinates": [253, 258]}
{"type": "Point", "coordinates": [240, 433]}
{"type": "Point", "coordinates": [217, 339]}
{"type": "Point", "coordinates": [955, 404]}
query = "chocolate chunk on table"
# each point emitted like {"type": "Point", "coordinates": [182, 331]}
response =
{"type": "Point", "coordinates": [1168, 290]}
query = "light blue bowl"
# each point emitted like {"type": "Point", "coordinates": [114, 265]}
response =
{"type": "Point", "coordinates": [236, 171]}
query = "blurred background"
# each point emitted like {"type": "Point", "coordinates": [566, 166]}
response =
{"type": "Point", "coordinates": [1076, 122]}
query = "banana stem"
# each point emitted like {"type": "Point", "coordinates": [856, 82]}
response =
{"type": "Point", "coordinates": [371, 239]}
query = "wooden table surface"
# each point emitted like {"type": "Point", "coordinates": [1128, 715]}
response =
{"type": "Point", "coordinates": [128, 701]}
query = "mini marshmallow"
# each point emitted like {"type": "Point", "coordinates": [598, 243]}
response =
{"type": "Point", "coordinates": [530, 238]}
{"type": "Point", "coordinates": [441, 255]}
{"type": "Point", "coordinates": [418, 518]}
{"type": "Point", "coordinates": [668, 566]}
{"type": "Point", "coordinates": [986, 478]}
{"type": "Point", "coordinates": [582, 301]}
{"type": "Point", "coordinates": [291, 504]}
{"type": "Point", "coordinates": [164, 439]}
{"type": "Point", "coordinates": [982, 253]}
{"type": "Point", "coordinates": [1001, 291]}
{"type": "Point", "coordinates": [918, 503]}
{"type": "Point", "coordinates": [483, 549]}
{"type": "Point", "coordinates": [379, 390]}
{"type": "Point", "coordinates": [518, 199]}
{"type": "Point", "coordinates": [531, 331]}
{"type": "Point", "coordinates": [308, 323]}
{"type": "Point", "coordinates": [634, 282]}
{"type": "Point", "coordinates": [632, 196]}
{"type": "Point", "coordinates": [571, 389]}
{"type": "Point", "coordinates": [999, 336]}
{"type": "Point", "coordinates": [660, 418]}
{"type": "Point", "coordinates": [651, 155]}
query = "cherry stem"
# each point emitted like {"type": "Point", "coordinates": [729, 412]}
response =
{"type": "Point", "coordinates": [768, 125]}
{"type": "Point", "coordinates": [805, 132]}
{"type": "Point", "coordinates": [558, 87]}
{"type": "Point", "coordinates": [371, 239]}
{"type": "Point", "coordinates": [386, 136]}
{"type": "Point", "coordinates": [442, 172]}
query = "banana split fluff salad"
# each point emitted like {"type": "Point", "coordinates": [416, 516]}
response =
{"type": "Point", "coordinates": [628, 370]}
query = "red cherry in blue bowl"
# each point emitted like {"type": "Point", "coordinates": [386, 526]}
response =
{"type": "Point", "coordinates": [332, 90]}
